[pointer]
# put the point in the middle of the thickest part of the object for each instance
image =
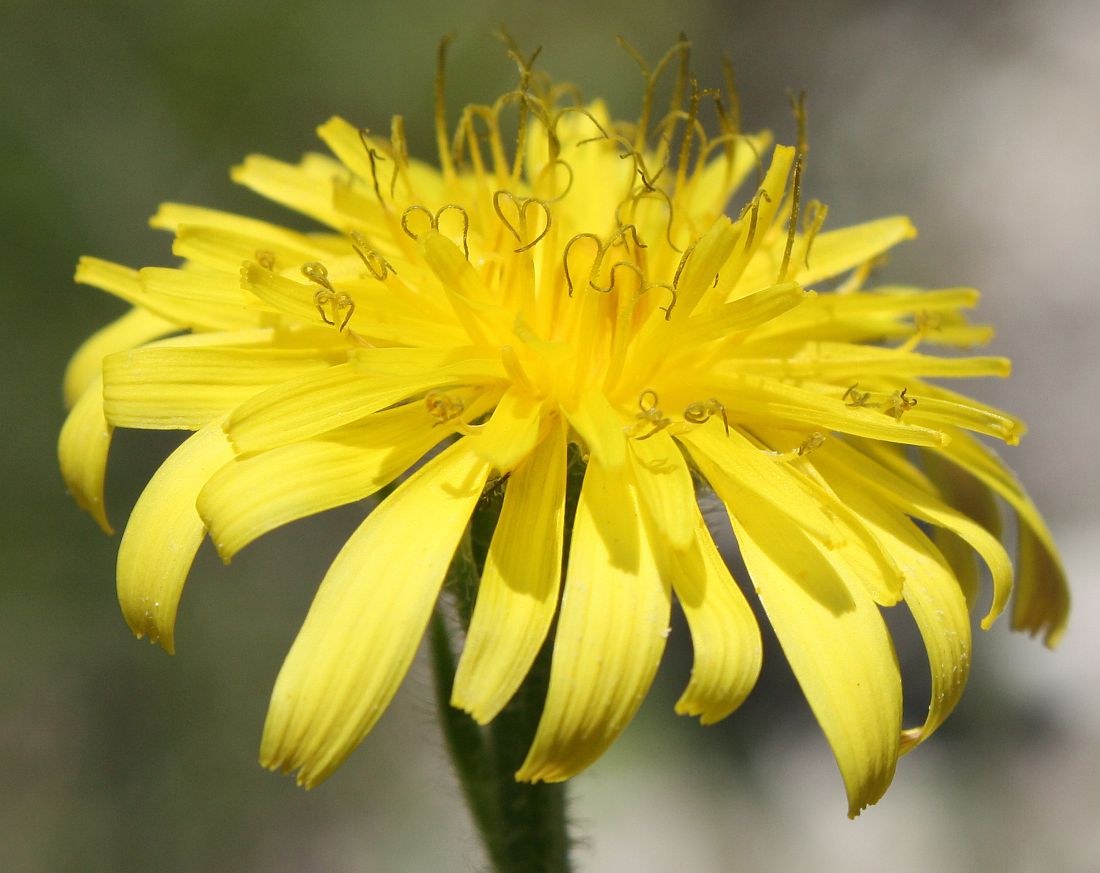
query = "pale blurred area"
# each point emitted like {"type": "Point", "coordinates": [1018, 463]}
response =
{"type": "Point", "coordinates": [981, 122]}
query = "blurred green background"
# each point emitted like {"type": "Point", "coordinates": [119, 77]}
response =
{"type": "Point", "coordinates": [980, 122]}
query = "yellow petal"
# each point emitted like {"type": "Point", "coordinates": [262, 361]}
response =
{"type": "Point", "coordinates": [82, 452]}
{"type": "Point", "coordinates": [365, 623]}
{"type": "Point", "coordinates": [174, 216]}
{"type": "Point", "coordinates": [601, 428]}
{"type": "Point", "coordinates": [519, 586]}
{"type": "Point", "coordinates": [163, 534]}
{"type": "Point", "coordinates": [766, 400]}
{"type": "Point", "coordinates": [319, 402]}
{"type": "Point", "coordinates": [664, 486]}
{"type": "Point", "coordinates": [915, 501]}
{"type": "Point", "coordinates": [222, 249]}
{"type": "Point", "coordinates": [724, 634]}
{"type": "Point", "coordinates": [705, 261]}
{"type": "Point", "coordinates": [181, 310]}
{"type": "Point", "coordinates": [305, 187]}
{"type": "Point", "coordinates": [257, 493]}
{"type": "Point", "coordinates": [174, 387]}
{"type": "Point", "coordinates": [834, 639]}
{"type": "Point", "coordinates": [731, 464]}
{"type": "Point", "coordinates": [837, 251]}
{"type": "Point", "coordinates": [133, 329]}
{"type": "Point", "coordinates": [611, 632]}
{"type": "Point", "coordinates": [511, 433]}
{"type": "Point", "coordinates": [932, 594]}
{"type": "Point", "coordinates": [742, 314]}
{"type": "Point", "coordinates": [1042, 593]}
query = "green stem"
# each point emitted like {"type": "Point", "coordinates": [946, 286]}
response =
{"type": "Point", "coordinates": [524, 827]}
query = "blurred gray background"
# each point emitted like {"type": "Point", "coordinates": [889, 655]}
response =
{"type": "Point", "coordinates": [980, 121]}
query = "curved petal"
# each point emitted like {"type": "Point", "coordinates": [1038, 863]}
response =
{"type": "Point", "coordinates": [731, 463]}
{"type": "Point", "coordinates": [611, 633]}
{"type": "Point", "coordinates": [601, 428]}
{"type": "Point", "coordinates": [931, 592]}
{"type": "Point", "coordinates": [182, 388]}
{"type": "Point", "coordinates": [834, 639]}
{"type": "Point", "coordinates": [131, 330]}
{"type": "Point", "coordinates": [1042, 593]}
{"type": "Point", "coordinates": [511, 433]}
{"type": "Point", "coordinates": [724, 633]}
{"type": "Point", "coordinates": [257, 493]}
{"type": "Point", "coordinates": [367, 619]}
{"type": "Point", "coordinates": [665, 489]}
{"type": "Point", "coordinates": [82, 452]}
{"type": "Point", "coordinates": [519, 586]}
{"type": "Point", "coordinates": [916, 502]}
{"type": "Point", "coordinates": [164, 533]}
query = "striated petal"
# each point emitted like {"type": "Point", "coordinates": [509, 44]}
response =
{"type": "Point", "coordinates": [305, 187]}
{"type": "Point", "coordinates": [365, 623]}
{"type": "Point", "coordinates": [82, 450]}
{"type": "Point", "coordinates": [163, 535]}
{"type": "Point", "coordinates": [834, 639]}
{"type": "Point", "coordinates": [133, 329]}
{"type": "Point", "coordinates": [731, 464]}
{"type": "Point", "coordinates": [1042, 593]}
{"type": "Point", "coordinates": [181, 310]}
{"type": "Point", "coordinates": [174, 216]}
{"type": "Point", "coordinates": [257, 493]}
{"type": "Point", "coordinates": [708, 257]}
{"type": "Point", "coordinates": [931, 592]}
{"type": "Point", "coordinates": [925, 505]}
{"type": "Point", "coordinates": [665, 489]}
{"type": "Point", "coordinates": [222, 249]}
{"type": "Point", "coordinates": [837, 251]}
{"type": "Point", "coordinates": [519, 587]}
{"type": "Point", "coordinates": [184, 387]}
{"type": "Point", "coordinates": [601, 428]}
{"type": "Point", "coordinates": [744, 313]}
{"type": "Point", "coordinates": [767, 401]}
{"type": "Point", "coordinates": [511, 433]}
{"type": "Point", "coordinates": [724, 633]}
{"type": "Point", "coordinates": [319, 402]}
{"type": "Point", "coordinates": [611, 633]}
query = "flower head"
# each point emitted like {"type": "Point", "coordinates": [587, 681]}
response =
{"type": "Point", "coordinates": [578, 293]}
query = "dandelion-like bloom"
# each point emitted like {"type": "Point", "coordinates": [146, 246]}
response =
{"type": "Point", "coordinates": [577, 299]}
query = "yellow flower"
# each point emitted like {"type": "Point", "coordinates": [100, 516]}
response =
{"type": "Point", "coordinates": [580, 293]}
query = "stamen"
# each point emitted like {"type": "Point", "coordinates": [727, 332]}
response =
{"type": "Point", "coordinates": [814, 441]}
{"type": "Point", "coordinates": [465, 224]}
{"type": "Point", "coordinates": [400, 146]}
{"type": "Point", "coordinates": [441, 136]}
{"type": "Point", "coordinates": [798, 106]}
{"type": "Point", "coordinates": [443, 407]}
{"type": "Point", "coordinates": [327, 296]}
{"type": "Point", "coordinates": [372, 156]}
{"type": "Point", "coordinates": [379, 267]}
{"type": "Point", "coordinates": [416, 207]}
{"type": "Point", "coordinates": [735, 98]}
{"type": "Point", "coordinates": [433, 221]}
{"type": "Point", "coordinates": [649, 414]}
{"type": "Point", "coordinates": [651, 77]}
{"type": "Point", "coordinates": [600, 250]}
{"type": "Point", "coordinates": [700, 412]}
{"type": "Point", "coordinates": [815, 218]}
{"type": "Point", "coordinates": [521, 206]}
{"type": "Point", "coordinates": [753, 208]}
{"type": "Point", "coordinates": [899, 404]}
{"type": "Point", "coordinates": [854, 397]}
{"type": "Point", "coordinates": [551, 167]}
{"type": "Point", "coordinates": [633, 201]}
{"type": "Point", "coordinates": [265, 259]}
